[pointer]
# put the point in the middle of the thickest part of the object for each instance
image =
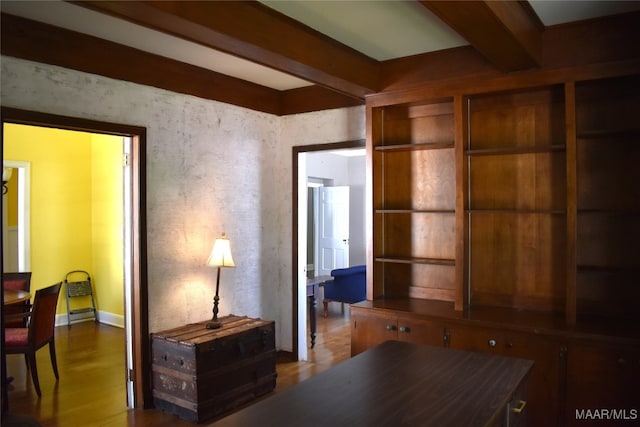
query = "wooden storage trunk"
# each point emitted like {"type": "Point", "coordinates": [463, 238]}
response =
{"type": "Point", "coordinates": [200, 373]}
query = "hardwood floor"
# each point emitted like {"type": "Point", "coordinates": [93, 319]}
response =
{"type": "Point", "coordinates": [91, 389]}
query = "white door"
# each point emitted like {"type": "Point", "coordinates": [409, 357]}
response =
{"type": "Point", "coordinates": [332, 229]}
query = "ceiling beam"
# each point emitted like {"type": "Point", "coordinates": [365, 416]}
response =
{"type": "Point", "coordinates": [252, 31]}
{"type": "Point", "coordinates": [35, 41]}
{"type": "Point", "coordinates": [507, 33]}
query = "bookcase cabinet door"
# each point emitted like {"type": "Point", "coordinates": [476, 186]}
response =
{"type": "Point", "coordinates": [369, 329]}
{"type": "Point", "coordinates": [544, 395]}
{"type": "Point", "coordinates": [602, 376]}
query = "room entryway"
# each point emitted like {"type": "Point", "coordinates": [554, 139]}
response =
{"type": "Point", "coordinates": [133, 252]}
{"type": "Point", "coordinates": [325, 235]}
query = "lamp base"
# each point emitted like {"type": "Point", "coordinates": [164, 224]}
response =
{"type": "Point", "coordinates": [213, 325]}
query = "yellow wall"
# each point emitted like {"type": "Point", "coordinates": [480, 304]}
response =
{"type": "Point", "coordinates": [74, 188]}
{"type": "Point", "coordinates": [107, 221]}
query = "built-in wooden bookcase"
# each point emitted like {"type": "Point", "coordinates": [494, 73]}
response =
{"type": "Point", "coordinates": [506, 219]}
{"type": "Point", "coordinates": [516, 199]}
{"type": "Point", "coordinates": [414, 201]}
{"type": "Point", "coordinates": [550, 217]}
{"type": "Point", "coordinates": [608, 198]}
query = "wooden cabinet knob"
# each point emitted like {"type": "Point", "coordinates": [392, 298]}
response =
{"type": "Point", "coordinates": [492, 343]}
{"type": "Point", "coordinates": [391, 327]}
{"type": "Point", "coordinates": [404, 329]}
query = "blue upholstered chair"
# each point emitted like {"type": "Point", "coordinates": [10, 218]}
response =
{"type": "Point", "coordinates": [349, 285]}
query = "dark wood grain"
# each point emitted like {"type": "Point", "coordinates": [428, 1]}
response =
{"type": "Point", "coordinates": [395, 384]}
{"type": "Point", "coordinates": [199, 373]}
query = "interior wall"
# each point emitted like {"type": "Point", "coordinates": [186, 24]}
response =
{"type": "Point", "coordinates": [211, 168]}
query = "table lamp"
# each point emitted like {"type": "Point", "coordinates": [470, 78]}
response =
{"type": "Point", "coordinates": [220, 257]}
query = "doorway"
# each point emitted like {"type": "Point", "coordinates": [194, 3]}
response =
{"type": "Point", "coordinates": [16, 231]}
{"type": "Point", "coordinates": [137, 355]}
{"type": "Point", "coordinates": [300, 264]}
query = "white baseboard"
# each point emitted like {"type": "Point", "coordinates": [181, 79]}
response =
{"type": "Point", "coordinates": [111, 319]}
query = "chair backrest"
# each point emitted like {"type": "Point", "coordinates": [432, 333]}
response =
{"type": "Point", "coordinates": [19, 281]}
{"type": "Point", "coordinates": [43, 317]}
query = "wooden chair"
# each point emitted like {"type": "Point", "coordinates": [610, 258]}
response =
{"type": "Point", "coordinates": [17, 282]}
{"type": "Point", "coordinates": [40, 332]}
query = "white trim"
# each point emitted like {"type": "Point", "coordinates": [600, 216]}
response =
{"type": "Point", "coordinates": [104, 317]}
{"type": "Point", "coordinates": [24, 212]}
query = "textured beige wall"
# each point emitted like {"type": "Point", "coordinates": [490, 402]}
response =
{"type": "Point", "coordinates": [211, 167]}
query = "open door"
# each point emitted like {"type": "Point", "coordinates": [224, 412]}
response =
{"type": "Point", "coordinates": [332, 229]}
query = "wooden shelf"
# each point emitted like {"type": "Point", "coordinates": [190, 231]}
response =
{"type": "Point", "coordinates": [601, 269]}
{"type": "Point", "coordinates": [403, 260]}
{"type": "Point", "coordinates": [415, 211]}
{"type": "Point", "coordinates": [413, 147]}
{"type": "Point", "coordinates": [517, 211]}
{"type": "Point", "coordinates": [608, 133]}
{"type": "Point", "coordinates": [515, 150]}
{"type": "Point", "coordinates": [605, 211]}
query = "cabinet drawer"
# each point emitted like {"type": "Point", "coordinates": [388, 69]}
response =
{"type": "Point", "coordinates": [517, 410]}
{"type": "Point", "coordinates": [369, 329]}
{"type": "Point", "coordinates": [420, 331]}
{"type": "Point", "coordinates": [546, 379]}
{"type": "Point", "coordinates": [475, 339]}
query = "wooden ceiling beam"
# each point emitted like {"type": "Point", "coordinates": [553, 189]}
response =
{"type": "Point", "coordinates": [250, 30]}
{"type": "Point", "coordinates": [35, 41]}
{"type": "Point", "coordinates": [507, 33]}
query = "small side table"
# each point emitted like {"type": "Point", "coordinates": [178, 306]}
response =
{"type": "Point", "coordinates": [313, 290]}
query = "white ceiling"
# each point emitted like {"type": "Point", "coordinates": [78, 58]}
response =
{"type": "Point", "coordinates": [380, 29]}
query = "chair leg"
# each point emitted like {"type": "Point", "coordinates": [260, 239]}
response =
{"type": "Point", "coordinates": [33, 367]}
{"type": "Point", "coordinates": [54, 362]}
{"type": "Point", "coordinates": [325, 303]}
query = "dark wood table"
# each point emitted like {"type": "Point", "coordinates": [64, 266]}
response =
{"type": "Point", "coordinates": [400, 384]}
{"type": "Point", "coordinates": [313, 290]}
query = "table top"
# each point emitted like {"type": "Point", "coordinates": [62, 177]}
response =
{"type": "Point", "coordinates": [318, 280]}
{"type": "Point", "coordinates": [12, 296]}
{"type": "Point", "coordinates": [393, 384]}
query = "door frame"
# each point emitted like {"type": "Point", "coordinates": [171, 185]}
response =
{"type": "Point", "coordinates": [24, 213]}
{"type": "Point", "coordinates": [139, 292]}
{"type": "Point", "coordinates": [296, 150]}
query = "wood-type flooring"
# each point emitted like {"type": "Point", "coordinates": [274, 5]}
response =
{"type": "Point", "coordinates": [91, 388]}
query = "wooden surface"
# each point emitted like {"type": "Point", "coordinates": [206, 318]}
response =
{"type": "Point", "coordinates": [12, 296]}
{"type": "Point", "coordinates": [200, 373]}
{"type": "Point", "coordinates": [396, 384]}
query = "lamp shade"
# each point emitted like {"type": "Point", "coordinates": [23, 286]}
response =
{"type": "Point", "coordinates": [221, 254]}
